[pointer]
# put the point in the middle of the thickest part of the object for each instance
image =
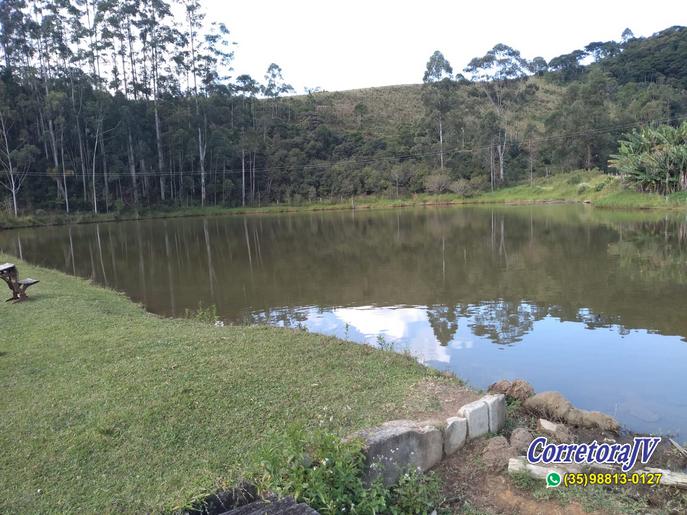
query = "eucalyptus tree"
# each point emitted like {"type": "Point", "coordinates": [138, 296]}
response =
{"type": "Point", "coordinates": [568, 66]}
{"type": "Point", "coordinates": [79, 83]}
{"type": "Point", "coordinates": [91, 47]}
{"type": "Point", "coordinates": [627, 35]}
{"type": "Point", "coordinates": [247, 88]}
{"type": "Point", "coordinates": [495, 73]}
{"type": "Point", "coordinates": [51, 52]}
{"type": "Point", "coordinates": [156, 36]}
{"type": "Point", "coordinates": [275, 86]}
{"type": "Point", "coordinates": [602, 49]}
{"type": "Point", "coordinates": [15, 155]}
{"type": "Point", "coordinates": [194, 23]}
{"type": "Point", "coordinates": [538, 65]}
{"type": "Point", "coordinates": [14, 38]}
{"type": "Point", "coordinates": [119, 17]}
{"type": "Point", "coordinates": [438, 93]}
{"type": "Point", "coordinates": [216, 56]}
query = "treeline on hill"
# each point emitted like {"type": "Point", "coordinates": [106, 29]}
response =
{"type": "Point", "coordinates": [111, 104]}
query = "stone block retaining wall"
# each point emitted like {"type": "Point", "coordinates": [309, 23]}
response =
{"type": "Point", "coordinates": [399, 445]}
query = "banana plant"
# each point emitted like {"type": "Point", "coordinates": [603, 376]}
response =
{"type": "Point", "coordinates": [654, 159]}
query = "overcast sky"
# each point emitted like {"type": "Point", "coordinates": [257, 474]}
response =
{"type": "Point", "coordinates": [349, 44]}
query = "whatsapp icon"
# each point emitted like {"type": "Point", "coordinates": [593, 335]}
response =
{"type": "Point", "coordinates": [553, 480]}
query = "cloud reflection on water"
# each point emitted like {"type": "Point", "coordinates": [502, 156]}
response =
{"type": "Point", "coordinates": [551, 353]}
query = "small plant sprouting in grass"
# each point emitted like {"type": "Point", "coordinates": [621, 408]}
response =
{"type": "Point", "coordinates": [383, 344]}
{"type": "Point", "coordinates": [524, 481]}
{"type": "Point", "coordinates": [408, 354]}
{"type": "Point", "coordinates": [207, 314]}
{"type": "Point", "coordinates": [513, 420]}
{"type": "Point", "coordinates": [415, 493]}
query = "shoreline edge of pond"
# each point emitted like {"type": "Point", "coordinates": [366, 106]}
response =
{"type": "Point", "coordinates": [588, 187]}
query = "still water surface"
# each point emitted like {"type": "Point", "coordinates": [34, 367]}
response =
{"type": "Point", "coordinates": [587, 302]}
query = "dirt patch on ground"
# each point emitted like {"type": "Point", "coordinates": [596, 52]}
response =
{"type": "Point", "coordinates": [471, 486]}
{"type": "Point", "coordinates": [437, 398]}
{"type": "Point", "coordinates": [475, 483]}
{"type": "Point", "coordinates": [512, 501]}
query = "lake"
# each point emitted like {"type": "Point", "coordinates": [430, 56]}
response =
{"type": "Point", "coordinates": [571, 298]}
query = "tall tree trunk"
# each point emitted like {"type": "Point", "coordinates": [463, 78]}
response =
{"type": "Point", "coordinates": [10, 167]}
{"type": "Point", "coordinates": [243, 177]}
{"type": "Point", "coordinates": [64, 173]}
{"type": "Point", "coordinates": [14, 194]}
{"type": "Point", "coordinates": [441, 142]}
{"type": "Point", "coordinates": [106, 183]}
{"type": "Point", "coordinates": [589, 157]}
{"type": "Point", "coordinates": [142, 169]}
{"type": "Point", "coordinates": [95, 155]}
{"type": "Point", "coordinates": [201, 155]}
{"type": "Point", "coordinates": [160, 156]}
{"type": "Point", "coordinates": [492, 170]}
{"type": "Point", "coordinates": [531, 160]}
{"type": "Point", "coordinates": [82, 158]}
{"type": "Point", "coordinates": [252, 182]}
{"type": "Point", "coordinates": [132, 166]}
{"type": "Point", "coordinates": [501, 149]}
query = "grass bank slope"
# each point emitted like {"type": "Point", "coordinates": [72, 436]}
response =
{"type": "Point", "coordinates": [106, 408]}
{"type": "Point", "coordinates": [594, 187]}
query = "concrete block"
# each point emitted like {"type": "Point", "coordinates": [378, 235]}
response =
{"type": "Point", "coordinates": [455, 434]}
{"type": "Point", "coordinates": [477, 415]}
{"type": "Point", "coordinates": [397, 446]}
{"type": "Point", "coordinates": [497, 411]}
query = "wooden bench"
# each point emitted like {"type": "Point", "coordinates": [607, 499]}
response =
{"type": "Point", "coordinates": [18, 287]}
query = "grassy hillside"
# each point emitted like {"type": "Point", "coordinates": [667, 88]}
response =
{"type": "Point", "coordinates": [389, 107]}
{"type": "Point", "coordinates": [106, 408]}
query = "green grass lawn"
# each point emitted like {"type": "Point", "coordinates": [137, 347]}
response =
{"type": "Point", "coordinates": [106, 408]}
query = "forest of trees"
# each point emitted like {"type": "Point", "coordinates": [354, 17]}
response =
{"type": "Point", "coordinates": [108, 105]}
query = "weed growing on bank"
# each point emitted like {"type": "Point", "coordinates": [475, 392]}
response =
{"type": "Point", "coordinates": [327, 473]}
